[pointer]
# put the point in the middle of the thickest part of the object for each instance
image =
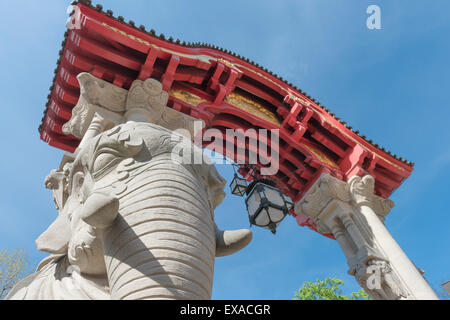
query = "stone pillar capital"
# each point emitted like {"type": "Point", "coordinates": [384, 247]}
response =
{"type": "Point", "coordinates": [97, 97]}
{"type": "Point", "coordinates": [146, 100]}
{"type": "Point", "coordinates": [321, 194]}
{"type": "Point", "coordinates": [357, 191]}
{"type": "Point", "coordinates": [362, 193]}
{"type": "Point", "coordinates": [103, 105]}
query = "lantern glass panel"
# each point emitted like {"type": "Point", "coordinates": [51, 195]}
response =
{"type": "Point", "coordinates": [234, 187]}
{"type": "Point", "coordinates": [238, 186]}
{"type": "Point", "coordinates": [262, 219]}
{"type": "Point", "coordinates": [274, 196]}
{"type": "Point", "coordinates": [241, 189]}
{"type": "Point", "coordinates": [266, 205]}
{"type": "Point", "coordinates": [276, 215]}
{"type": "Point", "coordinates": [288, 201]}
{"type": "Point", "coordinates": [253, 203]}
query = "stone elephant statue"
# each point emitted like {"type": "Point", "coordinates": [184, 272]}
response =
{"type": "Point", "coordinates": [134, 222]}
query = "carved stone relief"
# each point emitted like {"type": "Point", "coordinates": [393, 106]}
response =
{"type": "Point", "coordinates": [133, 222]}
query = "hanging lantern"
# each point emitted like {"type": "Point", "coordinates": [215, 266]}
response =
{"type": "Point", "coordinates": [238, 185]}
{"type": "Point", "coordinates": [266, 205]}
{"type": "Point", "coordinates": [289, 202]}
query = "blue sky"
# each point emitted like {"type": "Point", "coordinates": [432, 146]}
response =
{"type": "Point", "coordinates": [391, 84]}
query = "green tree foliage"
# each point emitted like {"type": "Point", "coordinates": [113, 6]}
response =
{"type": "Point", "coordinates": [13, 267]}
{"type": "Point", "coordinates": [329, 289]}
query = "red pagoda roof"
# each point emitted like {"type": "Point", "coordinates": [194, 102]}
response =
{"type": "Point", "coordinates": [223, 89]}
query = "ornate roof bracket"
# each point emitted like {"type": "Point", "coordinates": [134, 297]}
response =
{"type": "Point", "coordinates": [223, 90]}
{"type": "Point", "coordinates": [147, 67]}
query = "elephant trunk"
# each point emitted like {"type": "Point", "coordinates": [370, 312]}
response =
{"type": "Point", "coordinates": [162, 245]}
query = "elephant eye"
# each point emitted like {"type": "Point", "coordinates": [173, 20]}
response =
{"type": "Point", "coordinates": [77, 183]}
{"type": "Point", "coordinates": [78, 180]}
{"type": "Point", "coordinates": [103, 163]}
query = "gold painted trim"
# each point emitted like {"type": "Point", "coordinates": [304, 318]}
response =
{"type": "Point", "coordinates": [321, 156]}
{"type": "Point", "coordinates": [252, 107]}
{"type": "Point", "coordinates": [187, 97]}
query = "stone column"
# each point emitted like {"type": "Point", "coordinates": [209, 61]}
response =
{"type": "Point", "coordinates": [354, 215]}
{"type": "Point", "coordinates": [367, 204]}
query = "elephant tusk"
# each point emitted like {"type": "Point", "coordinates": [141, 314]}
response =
{"type": "Point", "coordinates": [56, 238]}
{"type": "Point", "coordinates": [231, 241]}
{"type": "Point", "coordinates": [100, 210]}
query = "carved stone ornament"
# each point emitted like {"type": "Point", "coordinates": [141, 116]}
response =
{"type": "Point", "coordinates": [149, 97]}
{"type": "Point", "coordinates": [362, 191]}
{"type": "Point", "coordinates": [95, 95]}
{"type": "Point", "coordinates": [357, 191]}
{"type": "Point", "coordinates": [116, 105]}
{"type": "Point", "coordinates": [134, 221]}
{"type": "Point", "coordinates": [355, 215]}
{"type": "Point", "coordinates": [379, 281]}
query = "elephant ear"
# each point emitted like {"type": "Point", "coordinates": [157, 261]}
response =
{"type": "Point", "coordinates": [216, 186]}
{"type": "Point", "coordinates": [214, 183]}
{"type": "Point", "coordinates": [55, 239]}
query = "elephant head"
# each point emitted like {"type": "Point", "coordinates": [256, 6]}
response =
{"type": "Point", "coordinates": [141, 219]}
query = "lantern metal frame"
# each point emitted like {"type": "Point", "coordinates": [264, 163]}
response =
{"type": "Point", "coordinates": [238, 186]}
{"type": "Point", "coordinates": [260, 186]}
{"type": "Point", "coordinates": [288, 201]}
